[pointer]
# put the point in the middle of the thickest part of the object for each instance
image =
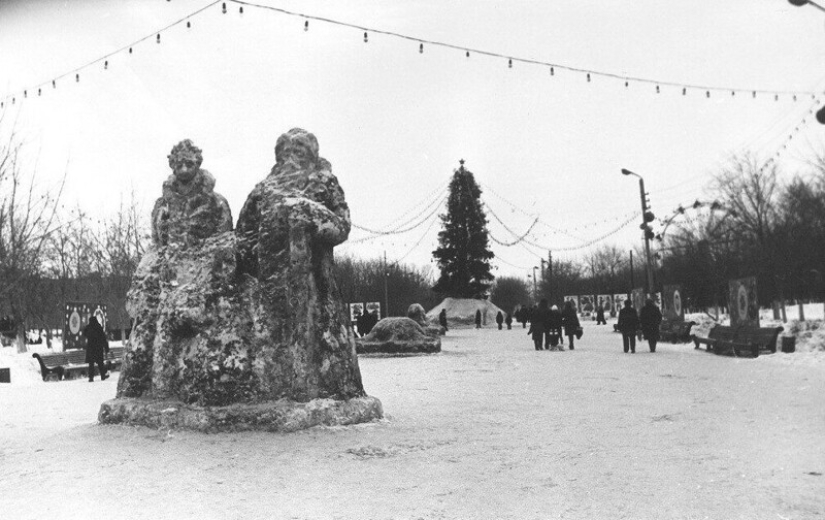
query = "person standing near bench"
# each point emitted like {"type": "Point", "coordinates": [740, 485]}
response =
{"type": "Point", "coordinates": [650, 318]}
{"type": "Point", "coordinates": [628, 323]}
{"type": "Point", "coordinates": [570, 321]}
{"type": "Point", "coordinates": [96, 347]}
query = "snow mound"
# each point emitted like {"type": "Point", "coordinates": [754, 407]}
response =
{"type": "Point", "coordinates": [462, 311]}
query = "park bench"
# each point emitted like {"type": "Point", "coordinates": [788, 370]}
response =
{"type": "Point", "coordinates": [737, 340]}
{"type": "Point", "coordinates": [675, 331]}
{"type": "Point", "coordinates": [74, 361]}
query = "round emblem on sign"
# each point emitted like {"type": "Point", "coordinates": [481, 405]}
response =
{"type": "Point", "coordinates": [74, 322]}
{"type": "Point", "coordinates": [677, 303]}
{"type": "Point", "coordinates": [743, 302]}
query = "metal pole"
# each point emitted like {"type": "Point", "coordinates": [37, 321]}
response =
{"type": "Point", "coordinates": [632, 278]}
{"type": "Point", "coordinates": [535, 292]}
{"type": "Point", "coordinates": [386, 293]}
{"type": "Point", "coordinates": [647, 240]}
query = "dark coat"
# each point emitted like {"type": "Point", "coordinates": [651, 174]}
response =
{"type": "Point", "coordinates": [499, 318]}
{"type": "Point", "coordinates": [628, 320]}
{"type": "Point", "coordinates": [540, 322]}
{"type": "Point", "coordinates": [570, 320]}
{"type": "Point", "coordinates": [478, 317]}
{"type": "Point", "coordinates": [96, 343]}
{"type": "Point", "coordinates": [650, 318]}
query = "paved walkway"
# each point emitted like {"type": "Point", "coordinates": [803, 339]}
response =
{"type": "Point", "coordinates": [489, 428]}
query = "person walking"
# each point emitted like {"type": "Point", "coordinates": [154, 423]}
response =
{"type": "Point", "coordinates": [628, 323]}
{"type": "Point", "coordinates": [554, 339]}
{"type": "Point", "coordinates": [442, 318]}
{"type": "Point", "coordinates": [509, 321]}
{"type": "Point", "coordinates": [96, 347]}
{"type": "Point", "coordinates": [600, 315]}
{"type": "Point", "coordinates": [570, 321]}
{"type": "Point", "coordinates": [500, 319]}
{"type": "Point", "coordinates": [478, 318]}
{"type": "Point", "coordinates": [539, 324]}
{"type": "Point", "coordinates": [650, 318]}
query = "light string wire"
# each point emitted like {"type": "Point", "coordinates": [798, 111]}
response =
{"type": "Point", "coordinates": [394, 231]}
{"type": "Point", "coordinates": [511, 59]}
{"type": "Point", "coordinates": [411, 228]}
{"type": "Point", "coordinates": [109, 55]}
{"type": "Point", "coordinates": [426, 232]}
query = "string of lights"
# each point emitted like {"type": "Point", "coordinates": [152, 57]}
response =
{"type": "Point", "coordinates": [426, 232]}
{"type": "Point", "coordinates": [102, 59]}
{"type": "Point", "coordinates": [398, 229]}
{"type": "Point", "coordinates": [407, 230]}
{"type": "Point", "coordinates": [589, 74]}
{"type": "Point", "coordinates": [588, 244]}
{"type": "Point", "coordinates": [809, 115]}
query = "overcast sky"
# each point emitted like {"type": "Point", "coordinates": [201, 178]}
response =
{"type": "Point", "coordinates": [394, 122]}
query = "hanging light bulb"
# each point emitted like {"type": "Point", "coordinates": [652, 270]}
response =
{"type": "Point", "coordinates": [420, 48]}
{"type": "Point", "coordinates": [106, 65]}
{"type": "Point", "coordinates": [467, 54]}
{"type": "Point", "coordinates": [25, 94]}
{"type": "Point", "coordinates": [657, 89]}
{"type": "Point", "coordinates": [732, 93]}
{"type": "Point", "coordinates": [366, 38]}
{"type": "Point", "coordinates": [707, 93]}
{"type": "Point", "coordinates": [158, 38]}
{"type": "Point", "coordinates": [223, 8]}
{"type": "Point", "coordinates": [13, 100]}
{"type": "Point", "coordinates": [552, 71]}
{"type": "Point", "coordinates": [38, 91]}
{"type": "Point", "coordinates": [588, 77]}
{"type": "Point", "coordinates": [776, 97]}
{"type": "Point", "coordinates": [130, 50]}
{"type": "Point", "coordinates": [241, 10]}
{"type": "Point", "coordinates": [306, 25]}
{"type": "Point", "coordinates": [54, 84]}
{"type": "Point", "coordinates": [754, 94]}
{"type": "Point", "coordinates": [794, 97]}
{"type": "Point", "coordinates": [77, 78]}
{"type": "Point", "coordinates": [188, 24]}
{"type": "Point", "coordinates": [684, 91]}
{"type": "Point", "coordinates": [626, 84]}
{"type": "Point", "coordinates": [510, 63]}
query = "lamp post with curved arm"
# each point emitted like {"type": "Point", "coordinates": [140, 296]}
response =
{"type": "Point", "coordinates": [647, 217]}
{"type": "Point", "coordinates": [820, 114]}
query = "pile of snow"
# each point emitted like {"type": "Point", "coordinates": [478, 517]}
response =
{"type": "Point", "coordinates": [462, 311]}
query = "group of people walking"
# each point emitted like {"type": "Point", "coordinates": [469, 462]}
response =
{"type": "Point", "coordinates": [549, 325]}
{"type": "Point", "coordinates": [648, 321]}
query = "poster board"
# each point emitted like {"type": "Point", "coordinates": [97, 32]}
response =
{"type": "Point", "coordinates": [606, 301]}
{"type": "Point", "coordinates": [77, 317]}
{"type": "Point", "coordinates": [574, 299]}
{"type": "Point", "coordinates": [586, 305]}
{"type": "Point", "coordinates": [374, 307]}
{"type": "Point", "coordinates": [743, 303]}
{"type": "Point", "coordinates": [618, 301]}
{"type": "Point", "coordinates": [355, 310]}
{"type": "Point", "coordinates": [637, 296]}
{"type": "Point", "coordinates": [672, 308]}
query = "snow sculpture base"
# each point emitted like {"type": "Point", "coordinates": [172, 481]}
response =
{"type": "Point", "coordinates": [276, 416]}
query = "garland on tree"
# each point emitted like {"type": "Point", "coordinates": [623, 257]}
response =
{"type": "Point", "coordinates": [464, 252]}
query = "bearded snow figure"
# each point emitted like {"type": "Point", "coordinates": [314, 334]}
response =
{"type": "Point", "coordinates": [286, 232]}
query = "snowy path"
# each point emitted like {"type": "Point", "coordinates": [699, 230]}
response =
{"type": "Point", "coordinates": [489, 428]}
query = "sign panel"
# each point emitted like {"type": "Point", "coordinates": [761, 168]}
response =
{"type": "Point", "coordinates": [355, 310]}
{"type": "Point", "coordinates": [744, 306]}
{"type": "Point", "coordinates": [77, 317]}
{"type": "Point", "coordinates": [374, 307]}
{"type": "Point", "coordinates": [618, 301]}
{"type": "Point", "coordinates": [606, 301]}
{"type": "Point", "coordinates": [672, 309]}
{"type": "Point", "coordinates": [586, 306]}
{"type": "Point", "coordinates": [638, 298]}
{"type": "Point", "coordinates": [575, 300]}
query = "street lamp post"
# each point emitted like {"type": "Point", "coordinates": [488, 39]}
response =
{"type": "Point", "coordinates": [820, 114]}
{"type": "Point", "coordinates": [535, 292]}
{"type": "Point", "coordinates": [647, 216]}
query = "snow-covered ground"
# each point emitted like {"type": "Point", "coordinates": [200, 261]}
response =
{"type": "Point", "coordinates": [489, 428]}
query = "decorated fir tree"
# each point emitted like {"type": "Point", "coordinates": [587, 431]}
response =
{"type": "Point", "coordinates": [463, 254]}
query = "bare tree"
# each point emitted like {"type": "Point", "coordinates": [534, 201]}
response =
{"type": "Point", "coordinates": [27, 220]}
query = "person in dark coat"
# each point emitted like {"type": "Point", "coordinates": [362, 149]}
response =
{"type": "Point", "coordinates": [509, 321]}
{"type": "Point", "coordinates": [499, 319]}
{"type": "Point", "coordinates": [570, 322]}
{"type": "Point", "coordinates": [628, 324]}
{"type": "Point", "coordinates": [553, 338]}
{"type": "Point", "coordinates": [96, 347]}
{"type": "Point", "coordinates": [600, 315]}
{"type": "Point", "coordinates": [539, 324]}
{"type": "Point", "coordinates": [442, 318]}
{"type": "Point", "coordinates": [478, 318]}
{"type": "Point", "coordinates": [650, 318]}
